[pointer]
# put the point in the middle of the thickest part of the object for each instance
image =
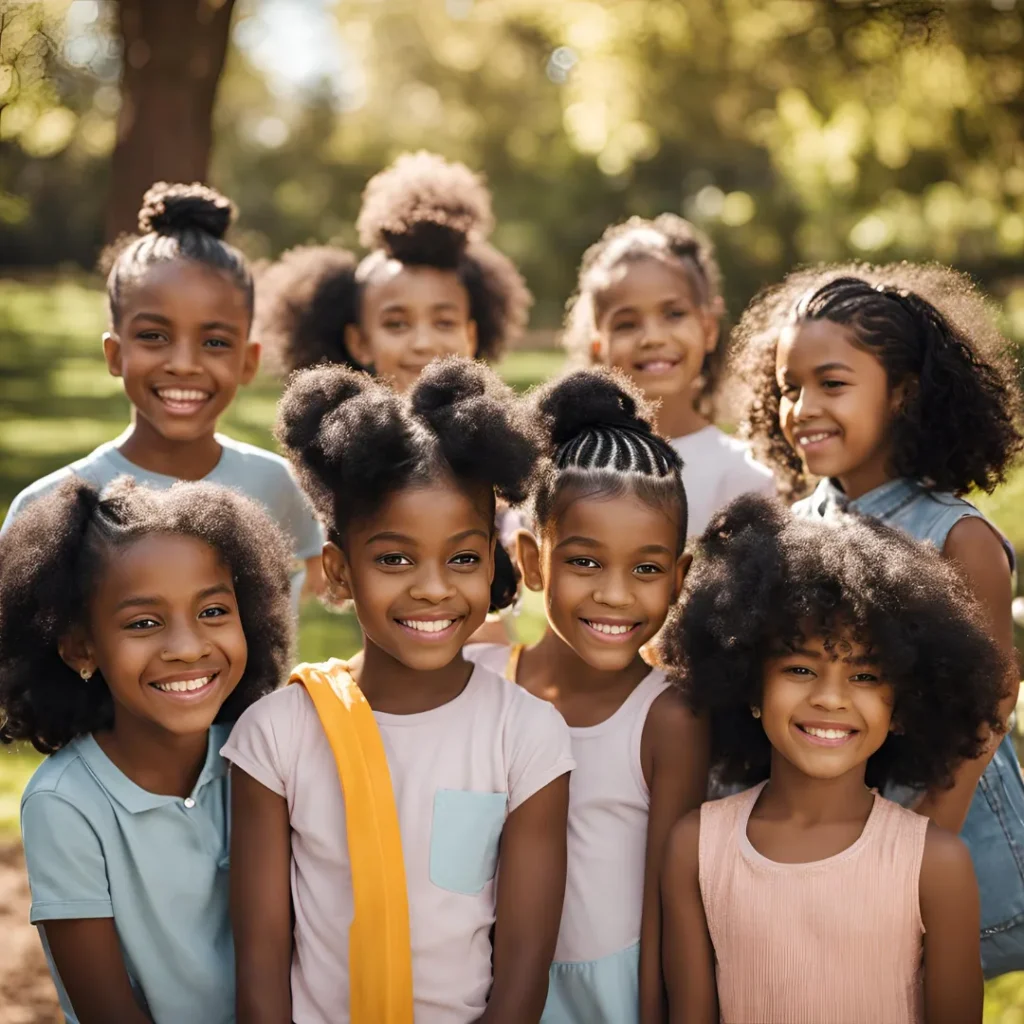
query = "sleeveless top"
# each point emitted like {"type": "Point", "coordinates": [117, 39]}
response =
{"type": "Point", "coordinates": [834, 941]}
{"type": "Point", "coordinates": [994, 829]}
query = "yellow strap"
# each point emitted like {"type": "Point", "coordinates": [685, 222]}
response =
{"type": "Point", "coordinates": [512, 668]}
{"type": "Point", "coordinates": [379, 947]}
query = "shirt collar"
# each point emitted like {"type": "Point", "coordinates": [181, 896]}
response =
{"type": "Point", "coordinates": [882, 502]}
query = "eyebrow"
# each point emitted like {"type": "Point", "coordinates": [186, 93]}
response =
{"type": "Point", "coordinates": [587, 542]}
{"type": "Point", "coordinates": [143, 601]}
{"type": "Point", "coordinates": [405, 539]}
{"type": "Point", "coordinates": [209, 325]}
{"type": "Point", "coordinates": [400, 307]}
{"type": "Point", "coordinates": [833, 366]}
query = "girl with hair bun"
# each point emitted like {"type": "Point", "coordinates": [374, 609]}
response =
{"type": "Point", "coordinates": [450, 817]}
{"type": "Point", "coordinates": [180, 302]}
{"type": "Point", "coordinates": [892, 387]}
{"type": "Point", "coordinates": [430, 285]}
{"type": "Point", "coordinates": [609, 524]}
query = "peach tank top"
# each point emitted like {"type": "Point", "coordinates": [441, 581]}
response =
{"type": "Point", "coordinates": [834, 941]}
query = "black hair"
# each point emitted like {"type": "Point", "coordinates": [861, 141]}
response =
{"type": "Point", "coordinates": [667, 238]}
{"type": "Point", "coordinates": [764, 580]}
{"type": "Point", "coordinates": [354, 441]}
{"type": "Point", "coordinates": [421, 211]}
{"type": "Point", "coordinates": [958, 426]}
{"type": "Point", "coordinates": [597, 428]}
{"type": "Point", "coordinates": [176, 222]}
{"type": "Point", "coordinates": [51, 558]}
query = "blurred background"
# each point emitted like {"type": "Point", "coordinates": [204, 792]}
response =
{"type": "Point", "coordinates": [793, 131]}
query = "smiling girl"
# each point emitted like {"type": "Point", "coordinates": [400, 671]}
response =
{"type": "Point", "coordinates": [832, 658]}
{"type": "Point", "coordinates": [133, 629]}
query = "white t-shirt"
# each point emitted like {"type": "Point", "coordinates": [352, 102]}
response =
{"type": "Point", "coordinates": [458, 771]}
{"type": "Point", "coordinates": [717, 469]}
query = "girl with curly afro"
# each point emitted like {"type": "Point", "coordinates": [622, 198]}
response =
{"type": "Point", "coordinates": [892, 386]}
{"type": "Point", "coordinates": [181, 301]}
{"type": "Point", "coordinates": [649, 303]}
{"type": "Point", "coordinates": [430, 285]}
{"type": "Point", "coordinates": [455, 807]}
{"type": "Point", "coordinates": [135, 627]}
{"type": "Point", "coordinates": [832, 659]}
{"type": "Point", "coordinates": [606, 551]}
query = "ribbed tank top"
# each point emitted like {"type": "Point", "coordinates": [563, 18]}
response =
{"type": "Point", "coordinates": [834, 941]}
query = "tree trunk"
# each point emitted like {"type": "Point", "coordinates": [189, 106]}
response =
{"type": "Point", "coordinates": [173, 56]}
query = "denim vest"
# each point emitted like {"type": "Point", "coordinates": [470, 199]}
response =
{"type": "Point", "coordinates": [994, 829]}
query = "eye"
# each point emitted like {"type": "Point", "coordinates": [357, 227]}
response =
{"type": "Point", "coordinates": [140, 624]}
{"type": "Point", "coordinates": [622, 326]}
{"type": "Point", "coordinates": [789, 390]}
{"type": "Point", "coordinates": [649, 569]}
{"type": "Point", "coordinates": [214, 612]}
{"type": "Point", "coordinates": [868, 678]}
{"type": "Point", "coordinates": [446, 325]}
{"type": "Point", "coordinates": [582, 562]}
{"type": "Point", "coordinates": [394, 560]}
{"type": "Point", "coordinates": [465, 558]}
{"type": "Point", "coordinates": [396, 324]}
{"type": "Point", "coordinates": [217, 343]}
{"type": "Point", "coordinates": [833, 385]}
{"type": "Point", "coordinates": [677, 314]}
{"type": "Point", "coordinates": [800, 671]}
{"type": "Point", "coordinates": [151, 336]}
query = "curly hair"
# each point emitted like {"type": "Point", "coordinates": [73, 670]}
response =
{"type": "Point", "coordinates": [599, 439]}
{"type": "Point", "coordinates": [354, 441]}
{"type": "Point", "coordinates": [766, 580]}
{"type": "Point", "coordinates": [176, 222]}
{"type": "Point", "coordinates": [51, 558]}
{"type": "Point", "coordinates": [958, 428]}
{"type": "Point", "coordinates": [421, 211]}
{"type": "Point", "coordinates": [667, 238]}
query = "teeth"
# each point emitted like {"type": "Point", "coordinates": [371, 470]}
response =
{"type": "Point", "coordinates": [183, 685]}
{"type": "Point", "coordinates": [427, 625]}
{"type": "Point", "coordinates": [815, 438]}
{"type": "Point", "coordinates": [603, 627]}
{"type": "Point", "coordinates": [827, 734]}
{"type": "Point", "coordinates": [182, 394]}
{"type": "Point", "coordinates": [657, 366]}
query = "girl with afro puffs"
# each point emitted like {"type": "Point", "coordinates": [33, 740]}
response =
{"type": "Point", "coordinates": [893, 388]}
{"type": "Point", "coordinates": [134, 629]}
{"type": "Point", "coordinates": [832, 658]}
{"type": "Point", "coordinates": [430, 284]}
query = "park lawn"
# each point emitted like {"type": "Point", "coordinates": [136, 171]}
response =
{"type": "Point", "coordinates": [57, 402]}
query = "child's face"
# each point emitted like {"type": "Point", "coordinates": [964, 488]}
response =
{"type": "Point", "coordinates": [650, 325]}
{"type": "Point", "coordinates": [409, 316]}
{"type": "Point", "coordinates": [609, 570]}
{"type": "Point", "coordinates": [164, 630]}
{"type": "Point", "coordinates": [836, 405]}
{"type": "Point", "coordinates": [825, 712]}
{"type": "Point", "coordinates": [419, 571]}
{"type": "Point", "coordinates": [181, 346]}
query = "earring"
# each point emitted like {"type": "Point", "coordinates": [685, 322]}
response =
{"type": "Point", "coordinates": [755, 710]}
{"type": "Point", "coordinates": [86, 673]}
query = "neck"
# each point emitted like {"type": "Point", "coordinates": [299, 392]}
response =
{"type": "Point", "coordinates": [865, 478]}
{"type": "Point", "coordinates": [394, 688]}
{"type": "Point", "coordinates": [560, 671]}
{"type": "Point", "coordinates": [792, 794]}
{"type": "Point", "coordinates": [185, 460]}
{"type": "Point", "coordinates": [158, 761]}
{"type": "Point", "coordinates": [677, 417]}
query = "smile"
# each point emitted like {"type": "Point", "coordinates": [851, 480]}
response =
{"type": "Point", "coordinates": [189, 687]}
{"type": "Point", "coordinates": [658, 366]}
{"type": "Point", "coordinates": [611, 630]}
{"type": "Point", "coordinates": [182, 401]}
{"type": "Point", "coordinates": [827, 737]}
{"type": "Point", "coordinates": [432, 629]}
{"type": "Point", "coordinates": [815, 438]}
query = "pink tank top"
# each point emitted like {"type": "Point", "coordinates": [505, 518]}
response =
{"type": "Point", "coordinates": [835, 941]}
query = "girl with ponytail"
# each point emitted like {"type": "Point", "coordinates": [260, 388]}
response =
{"type": "Point", "coordinates": [606, 549]}
{"type": "Point", "coordinates": [403, 805]}
{"type": "Point", "coordinates": [891, 387]}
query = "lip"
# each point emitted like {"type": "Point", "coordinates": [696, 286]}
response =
{"type": "Point", "coordinates": [440, 636]}
{"type": "Point", "coordinates": [655, 367]}
{"type": "Point", "coordinates": [812, 441]}
{"type": "Point", "coordinates": [188, 696]}
{"type": "Point", "coordinates": [633, 627]}
{"type": "Point", "coordinates": [823, 741]}
{"type": "Point", "coordinates": [187, 401]}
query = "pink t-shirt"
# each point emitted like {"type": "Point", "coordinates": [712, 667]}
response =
{"type": "Point", "coordinates": [458, 771]}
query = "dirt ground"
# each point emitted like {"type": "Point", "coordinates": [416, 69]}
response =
{"type": "Point", "coordinates": [26, 992]}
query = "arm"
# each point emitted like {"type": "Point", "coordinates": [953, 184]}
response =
{"type": "Point", "coordinates": [953, 983]}
{"type": "Point", "coordinates": [531, 887]}
{"type": "Point", "coordinates": [687, 953]}
{"type": "Point", "coordinates": [674, 756]}
{"type": "Point", "coordinates": [261, 909]}
{"type": "Point", "coordinates": [978, 553]}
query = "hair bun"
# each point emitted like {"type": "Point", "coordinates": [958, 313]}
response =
{"type": "Point", "coordinates": [446, 383]}
{"type": "Point", "coordinates": [751, 518]}
{"type": "Point", "coordinates": [423, 209]}
{"type": "Point", "coordinates": [314, 396]}
{"type": "Point", "coordinates": [170, 209]}
{"type": "Point", "coordinates": [595, 397]}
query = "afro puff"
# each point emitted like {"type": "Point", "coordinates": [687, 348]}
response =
{"type": "Point", "coordinates": [959, 427]}
{"type": "Point", "coordinates": [765, 580]}
{"type": "Point", "coordinates": [421, 211]}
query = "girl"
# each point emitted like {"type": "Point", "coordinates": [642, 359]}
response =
{"type": "Point", "coordinates": [831, 657]}
{"type": "Point", "coordinates": [607, 552]}
{"type": "Point", "coordinates": [431, 285]}
{"type": "Point", "coordinates": [649, 303]}
{"type": "Point", "coordinates": [133, 629]}
{"type": "Point", "coordinates": [181, 302]}
{"type": "Point", "coordinates": [472, 771]}
{"type": "Point", "coordinates": [892, 385]}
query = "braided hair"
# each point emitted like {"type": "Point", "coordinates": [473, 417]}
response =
{"type": "Point", "coordinates": [597, 426]}
{"type": "Point", "coordinates": [667, 238]}
{"type": "Point", "coordinates": [958, 426]}
{"type": "Point", "coordinates": [176, 222]}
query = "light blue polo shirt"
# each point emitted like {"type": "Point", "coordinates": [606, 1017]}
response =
{"type": "Point", "coordinates": [98, 845]}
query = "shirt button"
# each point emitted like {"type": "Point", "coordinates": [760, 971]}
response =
{"type": "Point", "coordinates": [189, 802]}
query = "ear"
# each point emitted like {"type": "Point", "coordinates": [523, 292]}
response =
{"type": "Point", "coordinates": [336, 571]}
{"type": "Point", "coordinates": [358, 346]}
{"type": "Point", "coordinates": [898, 396]}
{"type": "Point", "coordinates": [711, 321]}
{"type": "Point", "coordinates": [472, 338]}
{"type": "Point", "coordinates": [76, 652]}
{"type": "Point", "coordinates": [112, 353]}
{"type": "Point", "coordinates": [251, 361]}
{"type": "Point", "coordinates": [598, 355]}
{"type": "Point", "coordinates": [528, 557]}
{"type": "Point", "coordinates": [682, 567]}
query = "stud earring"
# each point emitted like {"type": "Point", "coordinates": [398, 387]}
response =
{"type": "Point", "coordinates": [86, 673]}
{"type": "Point", "coordinates": [755, 710]}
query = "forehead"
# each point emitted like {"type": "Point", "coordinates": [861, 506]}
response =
{"type": "Point", "coordinates": [641, 280]}
{"type": "Point", "coordinates": [183, 289]}
{"type": "Point", "coordinates": [618, 522]}
{"type": "Point", "coordinates": [807, 344]}
{"type": "Point", "coordinates": [161, 564]}
{"type": "Point", "coordinates": [842, 645]}
{"type": "Point", "coordinates": [395, 284]}
{"type": "Point", "coordinates": [430, 511]}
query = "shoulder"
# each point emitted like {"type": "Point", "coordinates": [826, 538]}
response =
{"type": "Point", "coordinates": [669, 719]}
{"type": "Point", "coordinates": [517, 705]}
{"type": "Point", "coordinates": [63, 790]}
{"type": "Point", "coordinates": [60, 773]}
{"type": "Point", "coordinates": [253, 459]}
{"type": "Point", "coordinates": [289, 704]}
{"type": "Point", "coordinates": [974, 540]}
{"type": "Point", "coordinates": [491, 656]}
{"type": "Point", "coordinates": [945, 854]}
{"type": "Point", "coordinates": [92, 468]}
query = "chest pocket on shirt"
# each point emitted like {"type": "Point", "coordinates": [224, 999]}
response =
{"type": "Point", "coordinates": [464, 837]}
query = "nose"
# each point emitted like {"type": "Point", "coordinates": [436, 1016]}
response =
{"type": "Point", "coordinates": [432, 584]}
{"type": "Point", "coordinates": [184, 643]}
{"type": "Point", "coordinates": [423, 340]}
{"type": "Point", "coordinates": [806, 405]}
{"type": "Point", "coordinates": [830, 693]}
{"type": "Point", "coordinates": [182, 359]}
{"type": "Point", "coordinates": [614, 590]}
{"type": "Point", "coordinates": [653, 331]}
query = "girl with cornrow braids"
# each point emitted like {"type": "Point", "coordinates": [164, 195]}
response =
{"type": "Point", "coordinates": [609, 525]}
{"type": "Point", "coordinates": [892, 387]}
